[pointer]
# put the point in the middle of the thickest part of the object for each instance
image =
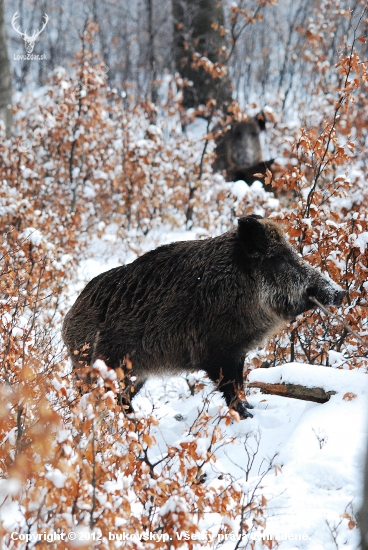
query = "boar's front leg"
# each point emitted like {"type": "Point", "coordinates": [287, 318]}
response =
{"type": "Point", "coordinates": [228, 374]}
{"type": "Point", "coordinates": [125, 397]}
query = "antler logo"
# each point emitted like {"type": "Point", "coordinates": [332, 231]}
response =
{"type": "Point", "coordinates": [29, 41]}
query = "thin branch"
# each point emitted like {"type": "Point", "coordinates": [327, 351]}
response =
{"type": "Point", "coordinates": [345, 325]}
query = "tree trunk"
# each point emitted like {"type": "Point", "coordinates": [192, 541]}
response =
{"type": "Point", "coordinates": [197, 29]}
{"type": "Point", "coordinates": [5, 76]}
{"type": "Point", "coordinates": [152, 55]}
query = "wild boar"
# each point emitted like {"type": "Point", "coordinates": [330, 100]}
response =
{"type": "Point", "coordinates": [239, 153]}
{"type": "Point", "coordinates": [196, 305]}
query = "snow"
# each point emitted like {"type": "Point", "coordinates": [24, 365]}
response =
{"type": "Point", "coordinates": [361, 241]}
{"type": "Point", "coordinates": [33, 235]}
{"type": "Point", "coordinates": [106, 373]}
{"type": "Point", "coordinates": [10, 486]}
{"type": "Point", "coordinates": [56, 477]}
{"type": "Point", "coordinates": [11, 516]}
{"type": "Point", "coordinates": [198, 128]}
{"type": "Point", "coordinates": [63, 435]}
{"type": "Point", "coordinates": [323, 455]}
{"type": "Point", "coordinates": [240, 189]}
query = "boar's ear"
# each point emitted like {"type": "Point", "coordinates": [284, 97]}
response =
{"type": "Point", "coordinates": [252, 235]}
{"type": "Point", "coordinates": [261, 120]}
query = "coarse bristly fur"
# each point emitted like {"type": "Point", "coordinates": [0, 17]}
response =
{"type": "Point", "coordinates": [239, 152]}
{"type": "Point", "coordinates": [196, 305]}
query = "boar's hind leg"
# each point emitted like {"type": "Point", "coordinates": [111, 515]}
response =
{"type": "Point", "coordinates": [229, 378]}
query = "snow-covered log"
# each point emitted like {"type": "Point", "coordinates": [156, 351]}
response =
{"type": "Point", "coordinates": [308, 382]}
{"type": "Point", "coordinates": [296, 391]}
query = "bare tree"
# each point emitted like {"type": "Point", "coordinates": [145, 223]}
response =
{"type": "Point", "coordinates": [5, 76]}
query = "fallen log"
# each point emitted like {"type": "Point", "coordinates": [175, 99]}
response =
{"type": "Point", "coordinates": [296, 391]}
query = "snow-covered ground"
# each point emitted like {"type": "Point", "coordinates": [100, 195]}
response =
{"type": "Point", "coordinates": [317, 450]}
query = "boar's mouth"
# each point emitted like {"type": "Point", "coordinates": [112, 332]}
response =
{"type": "Point", "coordinates": [332, 297]}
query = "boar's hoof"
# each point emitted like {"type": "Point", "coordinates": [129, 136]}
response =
{"type": "Point", "coordinates": [241, 407]}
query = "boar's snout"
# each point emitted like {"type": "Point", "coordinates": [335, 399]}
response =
{"type": "Point", "coordinates": [327, 296]}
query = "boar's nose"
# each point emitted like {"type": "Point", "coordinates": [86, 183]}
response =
{"type": "Point", "coordinates": [339, 295]}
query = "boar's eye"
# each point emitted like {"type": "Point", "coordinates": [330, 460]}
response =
{"type": "Point", "coordinates": [280, 260]}
{"type": "Point", "coordinates": [276, 262]}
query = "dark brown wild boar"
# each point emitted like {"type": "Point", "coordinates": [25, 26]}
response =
{"type": "Point", "coordinates": [196, 305]}
{"type": "Point", "coordinates": [239, 153]}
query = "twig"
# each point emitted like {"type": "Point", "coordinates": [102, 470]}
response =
{"type": "Point", "coordinates": [346, 326]}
